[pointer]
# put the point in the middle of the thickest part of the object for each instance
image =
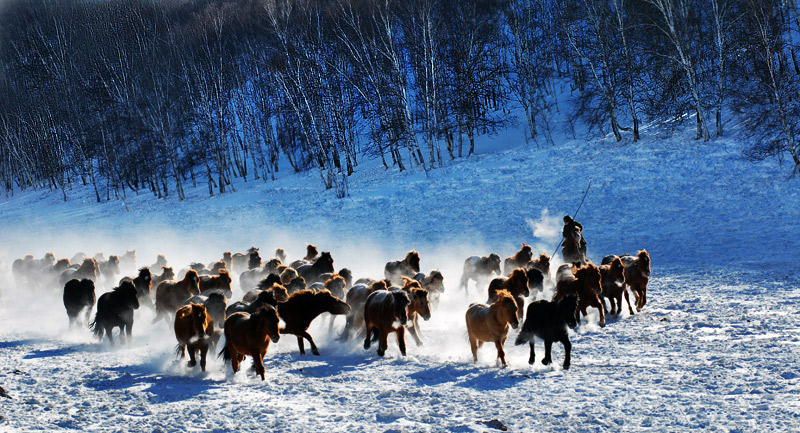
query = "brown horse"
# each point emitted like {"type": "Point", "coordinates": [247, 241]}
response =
{"type": "Point", "coordinates": [302, 308]}
{"type": "Point", "coordinates": [433, 283]}
{"type": "Point", "coordinates": [216, 284]}
{"type": "Point", "coordinates": [356, 297]}
{"type": "Point", "coordinates": [516, 285]}
{"type": "Point", "coordinates": [288, 275]}
{"type": "Point", "coordinates": [171, 294]}
{"type": "Point", "coordinates": [193, 329]}
{"type": "Point", "coordinates": [542, 264]}
{"type": "Point", "coordinates": [408, 267]}
{"type": "Point", "coordinates": [87, 270]}
{"type": "Point", "coordinates": [280, 254]}
{"type": "Point", "coordinates": [278, 292]}
{"type": "Point", "coordinates": [167, 274]}
{"type": "Point", "coordinates": [613, 282]}
{"type": "Point", "coordinates": [490, 324]}
{"type": "Point", "coordinates": [585, 284]}
{"type": "Point", "coordinates": [250, 334]}
{"type": "Point", "coordinates": [419, 305]}
{"type": "Point", "coordinates": [311, 253]}
{"type": "Point", "coordinates": [323, 265]}
{"type": "Point", "coordinates": [519, 260]}
{"type": "Point", "coordinates": [385, 312]}
{"type": "Point", "coordinates": [637, 275]}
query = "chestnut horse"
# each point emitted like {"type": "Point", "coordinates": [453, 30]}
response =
{"type": "Point", "coordinates": [115, 310]}
{"type": "Point", "coordinates": [250, 334]}
{"type": "Point", "coordinates": [490, 323]}
{"type": "Point", "coordinates": [302, 308]}
{"type": "Point", "coordinates": [216, 284]}
{"type": "Point", "coordinates": [194, 330]}
{"type": "Point", "coordinates": [385, 312]}
{"type": "Point", "coordinates": [637, 275]}
{"type": "Point", "coordinates": [516, 285]}
{"type": "Point", "coordinates": [419, 305]}
{"type": "Point", "coordinates": [613, 282]}
{"type": "Point", "coordinates": [519, 260]}
{"type": "Point", "coordinates": [278, 292]}
{"type": "Point", "coordinates": [479, 269]}
{"type": "Point", "coordinates": [408, 267]}
{"type": "Point", "coordinates": [542, 264]}
{"type": "Point", "coordinates": [433, 283]}
{"type": "Point", "coordinates": [585, 284]}
{"type": "Point", "coordinates": [171, 294]}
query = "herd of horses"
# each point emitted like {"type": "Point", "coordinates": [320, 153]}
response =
{"type": "Point", "coordinates": [194, 301]}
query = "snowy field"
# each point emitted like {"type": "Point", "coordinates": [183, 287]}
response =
{"type": "Point", "coordinates": [715, 348]}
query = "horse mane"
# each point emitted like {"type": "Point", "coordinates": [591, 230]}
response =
{"type": "Point", "coordinates": [125, 286]}
{"type": "Point", "coordinates": [523, 254]}
{"type": "Point", "coordinates": [378, 285]}
{"type": "Point", "coordinates": [418, 292]}
{"type": "Point", "coordinates": [410, 284]}
{"type": "Point", "coordinates": [516, 277]}
{"type": "Point", "coordinates": [190, 273]}
{"type": "Point", "coordinates": [503, 294]}
{"type": "Point", "coordinates": [89, 265]}
{"type": "Point", "coordinates": [334, 279]}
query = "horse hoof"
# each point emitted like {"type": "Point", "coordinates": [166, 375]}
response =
{"type": "Point", "coordinates": [602, 324]}
{"type": "Point", "coordinates": [315, 352]}
{"type": "Point", "coordinates": [566, 366]}
{"type": "Point", "coordinates": [381, 352]}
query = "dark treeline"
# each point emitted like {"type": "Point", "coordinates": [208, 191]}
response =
{"type": "Point", "coordinates": [133, 95]}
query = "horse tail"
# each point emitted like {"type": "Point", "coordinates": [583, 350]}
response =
{"type": "Point", "coordinates": [95, 326]}
{"type": "Point", "coordinates": [225, 354]}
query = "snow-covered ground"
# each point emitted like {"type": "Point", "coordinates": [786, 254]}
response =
{"type": "Point", "coordinates": [715, 348]}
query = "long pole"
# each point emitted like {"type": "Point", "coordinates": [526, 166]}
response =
{"type": "Point", "coordinates": [574, 215]}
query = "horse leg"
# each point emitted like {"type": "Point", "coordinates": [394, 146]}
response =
{"type": "Point", "coordinates": [307, 336]}
{"type": "Point", "coordinates": [108, 334]}
{"type": "Point", "coordinates": [473, 344]}
{"type": "Point", "coordinates": [627, 299]}
{"type": "Point", "coordinates": [600, 312]}
{"type": "Point", "coordinates": [500, 352]}
{"type": "Point", "coordinates": [548, 344]}
{"type": "Point", "coordinates": [88, 315]}
{"type": "Point", "coordinates": [259, 361]}
{"type": "Point", "coordinates": [401, 339]}
{"type": "Point", "coordinates": [383, 344]}
{"type": "Point", "coordinates": [567, 351]}
{"type": "Point", "coordinates": [301, 345]}
{"type": "Point", "coordinates": [367, 335]}
{"type": "Point", "coordinates": [183, 350]}
{"type": "Point", "coordinates": [644, 297]}
{"type": "Point", "coordinates": [203, 352]}
{"type": "Point", "coordinates": [532, 357]}
{"type": "Point", "coordinates": [192, 359]}
{"type": "Point", "coordinates": [129, 330]}
{"type": "Point", "coordinates": [415, 333]}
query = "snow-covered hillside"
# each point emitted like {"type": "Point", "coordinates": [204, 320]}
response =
{"type": "Point", "coordinates": [714, 349]}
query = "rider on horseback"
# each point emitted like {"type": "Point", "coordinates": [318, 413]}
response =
{"type": "Point", "coordinates": [571, 225]}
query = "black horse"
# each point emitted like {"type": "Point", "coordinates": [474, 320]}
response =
{"type": "Point", "coordinates": [115, 309]}
{"type": "Point", "coordinates": [79, 296]}
{"type": "Point", "coordinates": [548, 321]}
